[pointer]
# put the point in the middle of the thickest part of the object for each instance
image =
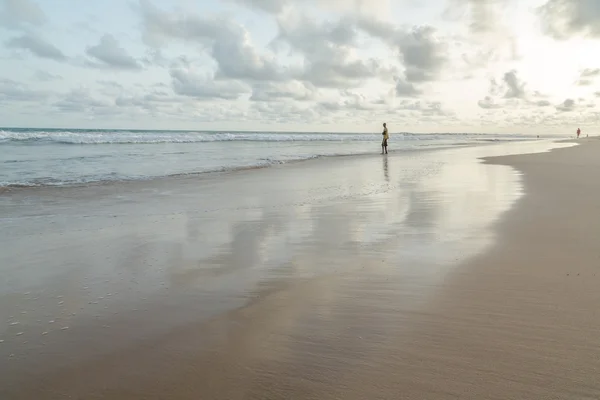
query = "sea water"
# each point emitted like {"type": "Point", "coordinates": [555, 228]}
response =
{"type": "Point", "coordinates": [40, 157]}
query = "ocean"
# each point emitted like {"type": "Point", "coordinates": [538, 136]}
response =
{"type": "Point", "coordinates": [58, 157]}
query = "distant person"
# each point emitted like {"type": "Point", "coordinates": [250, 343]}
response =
{"type": "Point", "coordinates": [386, 136]}
{"type": "Point", "coordinates": [578, 132]}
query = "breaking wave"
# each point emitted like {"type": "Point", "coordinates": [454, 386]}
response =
{"type": "Point", "coordinates": [82, 137]}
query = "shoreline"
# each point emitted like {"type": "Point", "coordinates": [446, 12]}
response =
{"type": "Point", "coordinates": [407, 311]}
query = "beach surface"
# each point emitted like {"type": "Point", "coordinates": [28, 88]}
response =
{"type": "Point", "coordinates": [425, 275]}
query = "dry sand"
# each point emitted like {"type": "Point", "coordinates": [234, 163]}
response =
{"type": "Point", "coordinates": [518, 321]}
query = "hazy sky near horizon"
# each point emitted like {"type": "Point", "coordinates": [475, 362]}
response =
{"type": "Point", "coordinates": [524, 66]}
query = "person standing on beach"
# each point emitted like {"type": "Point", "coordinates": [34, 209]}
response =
{"type": "Point", "coordinates": [386, 136]}
{"type": "Point", "coordinates": [578, 132]}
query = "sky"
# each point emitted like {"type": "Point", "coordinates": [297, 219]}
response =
{"type": "Point", "coordinates": [481, 66]}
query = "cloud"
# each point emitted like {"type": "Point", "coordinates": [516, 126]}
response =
{"type": "Point", "coordinates": [82, 101]}
{"type": "Point", "coordinates": [17, 13]}
{"type": "Point", "coordinates": [405, 89]}
{"type": "Point", "coordinates": [483, 15]}
{"type": "Point", "coordinates": [154, 102]}
{"type": "Point", "coordinates": [358, 101]}
{"type": "Point", "coordinates": [45, 76]}
{"type": "Point", "coordinates": [590, 72]}
{"type": "Point", "coordinates": [11, 91]}
{"type": "Point", "coordinates": [228, 41]}
{"type": "Point", "coordinates": [423, 55]}
{"type": "Point", "coordinates": [587, 76]}
{"type": "Point", "coordinates": [188, 83]}
{"type": "Point", "coordinates": [269, 6]}
{"type": "Point", "coordinates": [284, 112]}
{"type": "Point", "coordinates": [37, 46]}
{"type": "Point", "coordinates": [488, 103]}
{"type": "Point", "coordinates": [511, 92]}
{"type": "Point", "coordinates": [108, 53]}
{"type": "Point", "coordinates": [421, 52]}
{"type": "Point", "coordinates": [567, 106]}
{"type": "Point", "coordinates": [327, 50]}
{"type": "Point", "coordinates": [114, 85]}
{"type": "Point", "coordinates": [422, 108]}
{"type": "Point", "coordinates": [515, 87]}
{"type": "Point", "coordinates": [359, 7]}
{"type": "Point", "coordinates": [295, 90]}
{"type": "Point", "coordinates": [562, 19]}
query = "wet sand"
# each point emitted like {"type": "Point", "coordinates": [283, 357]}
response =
{"type": "Point", "coordinates": [435, 277]}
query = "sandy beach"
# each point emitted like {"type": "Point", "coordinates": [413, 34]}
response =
{"type": "Point", "coordinates": [425, 275]}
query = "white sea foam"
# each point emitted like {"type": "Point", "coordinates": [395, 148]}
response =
{"type": "Point", "coordinates": [156, 137]}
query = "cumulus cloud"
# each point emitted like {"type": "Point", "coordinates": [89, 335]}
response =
{"type": "Point", "coordinates": [511, 92]}
{"type": "Point", "coordinates": [588, 76]}
{"type": "Point", "coordinates": [488, 103]}
{"type": "Point", "coordinates": [188, 83]}
{"type": "Point", "coordinates": [567, 105]}
{"type": "Point", "coordinates": [108, 53]}
{"type": "Point", "coordinates": [11, 91]}
{"type": "Point", "coordinates": [405, 89]}
{"type": "Point", "coordinates": [154, 102]}
{"type": "Point", "coordinates": [515, 88]}
{"type": "Point", "coordinates": [562, 19]}
{"type": "Point", "coordinates": [229, 42]}
{"type": "Point", "coordinates": [329, 52]}
{"type": "Point", "coordinates": [82, 101]}
{"type": "Point", "coordinates": [21, 13]}
{"type": "Point", "coordinates": [37, 46]}
{"type": "Point", "coordinates": [422, 54]}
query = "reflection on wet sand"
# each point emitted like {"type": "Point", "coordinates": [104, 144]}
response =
{"type": "Point", "coordinates": [386, 172]}
{"type": "Point", "coordinates": [295, 287]}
